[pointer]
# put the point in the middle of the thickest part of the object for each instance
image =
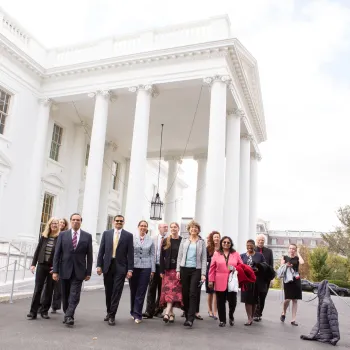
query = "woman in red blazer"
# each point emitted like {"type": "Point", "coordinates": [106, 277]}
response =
{"type": "Point", "coordinates": [223, 262]}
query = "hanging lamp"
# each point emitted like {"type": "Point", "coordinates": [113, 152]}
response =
{"type": "Point", "coordinates": [157, 204]}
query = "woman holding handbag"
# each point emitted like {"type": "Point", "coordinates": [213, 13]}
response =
{"type": "Point", "coordinates": [224, 261]}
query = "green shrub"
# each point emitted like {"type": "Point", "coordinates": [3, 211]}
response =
{"type": "Point", "coordinates": [276, 283]}
{"type": "Point", "coordinates": [339, 283]}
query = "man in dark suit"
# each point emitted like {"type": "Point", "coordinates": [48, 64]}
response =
{"type": "Point", "coordinates": [116, 261]}
{"type": "Point", "coordinates": [268, 255]}
{"type": "Point", "coordinates": [72, 264]}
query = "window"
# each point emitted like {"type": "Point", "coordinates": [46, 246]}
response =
{"type": "Point", "coordinates": [46, 212]}
{"type": "Point", "coordinates": [109, 222]}
{"type": "Point", "coordinates": [4, 106]}
{"type": "Point", "coordinates": [286, 242]}
{"type": "Point", "coordinates": [115, 175]}
{"type": "Point", "coordinates": [56, 142]}
{"type": "Point", "coordinates": [87, 153]}
{"type": "Point", "coordinates": [274, 241]}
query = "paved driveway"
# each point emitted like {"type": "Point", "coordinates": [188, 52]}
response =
{"type": "Point", "coordinates": [18, 333]}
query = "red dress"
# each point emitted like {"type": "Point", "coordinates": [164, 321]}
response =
{"type": "Point", "coordinates": [171, 290]}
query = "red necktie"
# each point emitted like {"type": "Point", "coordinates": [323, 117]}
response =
{"type": "Point", "coordinates": [75, 240]}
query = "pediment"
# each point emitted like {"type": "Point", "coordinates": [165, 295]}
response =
{"type": "Point", "coordinates": [5, 160]}
{"type": "Point", "coordinates": [54, 180]}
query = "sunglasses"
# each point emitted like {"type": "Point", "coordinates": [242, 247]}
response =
{"type": "Point", "coordinates": [226, 242]}
{"type": "Point", "coordinates": [121, 221]}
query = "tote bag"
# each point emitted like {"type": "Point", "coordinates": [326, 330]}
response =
{"type": "Point", "coordinates": [233, 282]}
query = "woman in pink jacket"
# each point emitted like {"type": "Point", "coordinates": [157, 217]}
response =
{"type": "Point", "coordinates": [223, 262]}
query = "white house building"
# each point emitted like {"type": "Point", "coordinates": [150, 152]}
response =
{"type": "Point", "coordinates": [80, 127]}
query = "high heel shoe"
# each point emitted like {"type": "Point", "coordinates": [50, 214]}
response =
{"type": "Point", "coordinates": [172, 318]}
{"type": "Point", "coordinates": [248, 323]}
{"type": "Point", "coordinates": [166, 318]}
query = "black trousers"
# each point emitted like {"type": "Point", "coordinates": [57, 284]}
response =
{"type": "Point", "coordinates": [71, 289]}
{"type": "Point", "coordinates": [221, 298]}
{"type": "Point", "coordinates": [114, 286]}
{"type": "Point", "coordinates": [138, 288]}
{"type": "Point", "coordinates": [190, 278]}
{"type": "Point", "coordinates": [55, 300]}
{"type": "Point", "coordinates": [42, 276]}
{"type": "Point", "coordinates": [261, 304]}
{"type": "Point", "coordinates": [154, 286]}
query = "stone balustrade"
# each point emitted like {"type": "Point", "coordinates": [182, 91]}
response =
{"type": "Point", "coordinates": [216, 28]}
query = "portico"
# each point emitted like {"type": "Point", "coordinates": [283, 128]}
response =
{"type": "Point", "coordinates": [208, 98]}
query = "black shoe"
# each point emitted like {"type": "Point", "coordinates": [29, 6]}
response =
{"type": "Point", "coordinates": [111, 321]}
{"type": "Point", "coordinates": [146, 315]}
{"type": "Point", "coordinates": [64, 321]}
{"type": "Point", "coordinates": [106, 318]}
{"type": "Point", "coordinates": [31, 316]}
{"type": "Point", "coordinates": [69, 321]}
{"type": "Point", "coordinates": [53, 311]}
{"type": "Point", "coordinates": [188, 324]}
{"type": "Point", "coordinates": [183, 314]}
{"type": "Point", "coordinates": [232, 322]}
{"type": "Point", "coordinates": [257, 319]}
{"type": "Point", "coordinates": [222, 324]}
{"type": "Point", "coordinates": [45, 316]}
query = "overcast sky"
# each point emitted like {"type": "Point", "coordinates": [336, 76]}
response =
{"type": "Point", "coordinates": [303, 51]}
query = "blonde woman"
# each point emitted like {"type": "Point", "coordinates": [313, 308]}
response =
{"type": "Point", "coordinates": [171, 294]}
{"type": "Point", "coordinates": [42, 263]}
{"type": "Point", "coordinates": [191, 268]}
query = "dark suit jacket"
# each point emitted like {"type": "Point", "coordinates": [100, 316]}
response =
{"type": "Point", "coordinates": [268, 255]}
{"type": "Point", "coordinates": [124, 257]}
{"type": "Point", "coordinates": [67, 260]}
{"type": "Point", "coordinates": [39, 255]}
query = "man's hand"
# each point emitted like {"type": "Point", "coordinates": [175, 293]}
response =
{"type": "Point", "coordinates": [87, 278]}
{"type": "Point", "coordinates": [211, 285]}
{"type": "Point", "coordinates": [55, 276]}
{"type": "Point", "coordinates": [99, 271]}
{"type": "Point", "coordinates": [152, 275]}
{"type": "Point", "coordinates": [203, 278]}
{"type": "Point", "coordinates": [178, 275]}
{"type": "Point", "coordinates": [161, 275]}
{"type": "Point", "coordinates": [129, 275]}
{"type": "Point", "coordinates": [32, 268]}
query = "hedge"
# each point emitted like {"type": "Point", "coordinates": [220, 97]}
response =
{"type": "Point", "coordinates": [341, 284]}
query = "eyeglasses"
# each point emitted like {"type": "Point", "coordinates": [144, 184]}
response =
{"type": "Point", "coordinates": [226, 242]}
{"type": "Point", "coordinates": [121, 221]}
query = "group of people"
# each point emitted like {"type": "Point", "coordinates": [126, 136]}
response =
{"type": "Point", "coordinates": [170, 268]}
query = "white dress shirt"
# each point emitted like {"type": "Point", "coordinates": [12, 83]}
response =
{"type": "Point", "coordinates": [159, 241]}
{"type": "Point", "coordinates": [78, 235]}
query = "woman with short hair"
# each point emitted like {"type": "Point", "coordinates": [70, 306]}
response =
{"type": "Point", "coordinates": [292, 290]}
{"type": "Point", "coordinates": [171, 294]}
{"type": "Point", "coordinates": [191, 269]}
{"type": "Point", "coordinates": [42, 263]}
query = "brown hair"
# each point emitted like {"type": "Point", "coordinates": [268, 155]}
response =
{"type": "Point", "coordinates": [211, 244]}
{"type": "Point", "coordinates": [65, 224]}
{"type": "Point", "coordinates": [167, 244]}
{"type": "Point", "coordinates": [195, 224]}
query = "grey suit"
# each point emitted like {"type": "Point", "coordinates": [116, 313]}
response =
{"type": "Point", "coordinates": [144, 253]}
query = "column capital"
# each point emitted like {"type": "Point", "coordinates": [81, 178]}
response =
{"type": "Point", "coordinates": [248, 137]}
{"type": "Point", "coordinates": [236, 112]}
{"type": "Point", "coordinates": [104, 93]}
{"type": "Point", "coordinates": [256, 156]}
{"type": "Point", "coordinates": [151, 89]}
{"type": "Point", "coordinates": [222, 78]}
{"type": "Point", "coordinates": [200, 156]}
{"type": "Point", "coordinates": [46, 102]}
{"type": "Point", "coordinates": [177, 159]}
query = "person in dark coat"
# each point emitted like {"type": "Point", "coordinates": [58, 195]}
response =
{"type": "Point", "coordinates": [268, 255]}
{"type": "Point", "coordinates": [326, 329]}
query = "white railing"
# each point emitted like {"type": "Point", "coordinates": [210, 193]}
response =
{"type": "Point", "coordinates": [168, 37]}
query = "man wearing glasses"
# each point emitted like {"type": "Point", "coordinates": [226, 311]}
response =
{"type": "Point", "coordinates": [116, 261]}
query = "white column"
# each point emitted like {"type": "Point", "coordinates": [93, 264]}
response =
{"type": "Point", "coordinates": [170, 214]}
{"type": "Point", "coordinates": [94, 171]}
{"type": "Point", "coordinates": [231, 206]}
{"type": "Point", "coordinates": [39, 155]}
{"type": "Point", "coordinates": [253, 207]}
{"type": "Point", "coordinates": [244, 184]}
{"type": "Point", "coordinates": [200, 192]}
{"type": "Point", "coordinates": [215, 180]}
{"type": "Point", "coordinates": [138, 160]}
{"type": "Point", "coordinates": [76, 170]}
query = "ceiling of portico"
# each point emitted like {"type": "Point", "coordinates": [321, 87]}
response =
{"type": "Point", "coordinates": [175, 107]}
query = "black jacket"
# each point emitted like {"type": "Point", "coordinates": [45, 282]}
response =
{"type": "Point", "coordinates": [39, 255]}
{"type": "Point", "coordinates": [165, 254]}
{"type": "Point", "coordinates": [124, 257]}
{"type": "Point", "coordinates": [326, 329]}
{"type": "Point", "coordinates": [268, 255]}
{"type": "Point", "coordinates": [67, 260]}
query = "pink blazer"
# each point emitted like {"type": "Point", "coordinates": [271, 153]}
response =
{"type": "Point", "coordinates": [218, 272]}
